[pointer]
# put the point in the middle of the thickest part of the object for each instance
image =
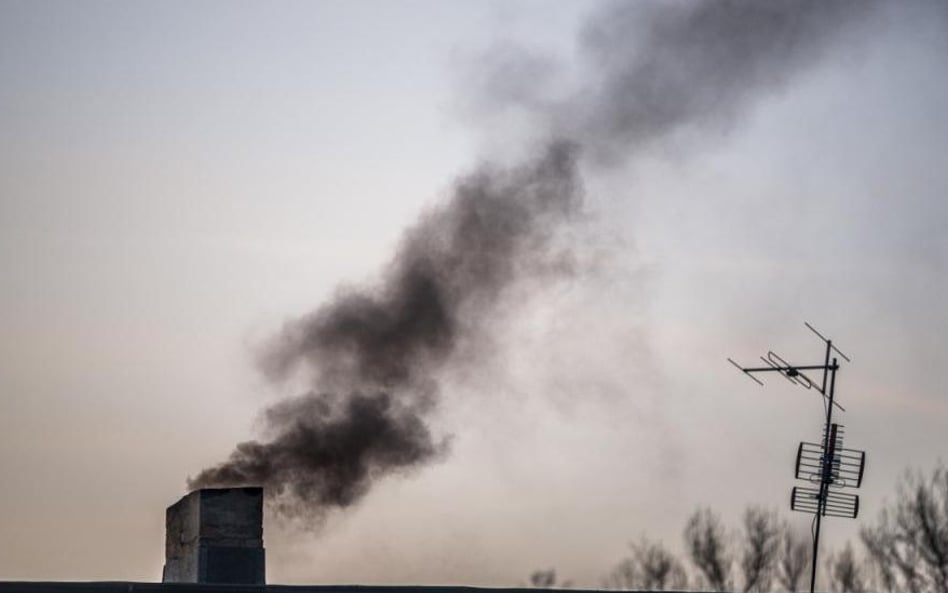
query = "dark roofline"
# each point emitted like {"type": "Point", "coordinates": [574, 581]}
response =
{"type": "Point", "coordinates": [132, 587]}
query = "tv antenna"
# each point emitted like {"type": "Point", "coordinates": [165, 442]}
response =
{"type": "Point", "coordinates": [828, 467]}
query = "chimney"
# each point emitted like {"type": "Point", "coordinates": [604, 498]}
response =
{"type": "Point", "coordinates": [215, 535]}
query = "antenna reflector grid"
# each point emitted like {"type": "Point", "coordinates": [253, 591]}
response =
{"type": "Point", "coordinates": [835, 504]}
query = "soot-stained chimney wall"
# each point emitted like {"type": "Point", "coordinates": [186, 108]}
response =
{"type": "Point", "coordinates": [215, 535]}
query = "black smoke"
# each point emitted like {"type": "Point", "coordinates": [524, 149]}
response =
{"type": "Point", "coordinates": [373, 356]}
{"type": "Point", "coordinates": [661, 68]}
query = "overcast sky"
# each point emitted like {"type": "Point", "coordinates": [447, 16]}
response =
{"type": "Point", "coordinates": [179, 179]}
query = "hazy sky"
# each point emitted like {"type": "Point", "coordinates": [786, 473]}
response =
{"type": "Point", "coordinates": [179, 179]}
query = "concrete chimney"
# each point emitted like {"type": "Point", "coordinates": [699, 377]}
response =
{"type": "Point", "coordinates": [215, 535]}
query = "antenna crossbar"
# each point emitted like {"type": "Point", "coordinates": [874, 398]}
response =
{"type": "Point", "coordinates": [811, 367]}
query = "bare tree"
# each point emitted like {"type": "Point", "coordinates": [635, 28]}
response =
{"type": "Point", "coordinates": [897, 565]}
{"type": "Point", "coordinates": [760, 546]}
{"type": "Point", "coordinates": [625, 575]}
{"type": "Point", "coordinates": [909, 543]}
{"type": "Point", "coordinates": [707, 545]}
{"type": "Point", "coordinates": [793, 558]}
{"type": "Point", "coordinates": [544, 579]}
{"type": "Point", "coordinates": [650, 567]}
{"type": "Point", "coordinates": [845, 572]}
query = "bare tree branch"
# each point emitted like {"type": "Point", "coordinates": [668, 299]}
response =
{"type": "Point", "coordinates": [908, 544]}
{"type": "Point", "coordinates": [845, 573]}
{"type": "Point", "coordinates": [707, 545]}
{"type": "Point", "coordinates": [759, 553]}
{"type": "Point", "coordinates": [793, 560]}
{"type": "Point", "coordinates": [650, 567]}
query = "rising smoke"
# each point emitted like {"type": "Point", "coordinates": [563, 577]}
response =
{"type": "Point", "coordinates": [373, 356]}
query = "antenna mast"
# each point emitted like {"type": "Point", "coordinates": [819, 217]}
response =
{"type": "Point", "coordinates": [827, 466]}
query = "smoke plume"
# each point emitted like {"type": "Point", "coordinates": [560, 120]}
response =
{"type": "Point", "coordinates": [658, 69]}
{"type": "Point", "coordinates": [373, 356]}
